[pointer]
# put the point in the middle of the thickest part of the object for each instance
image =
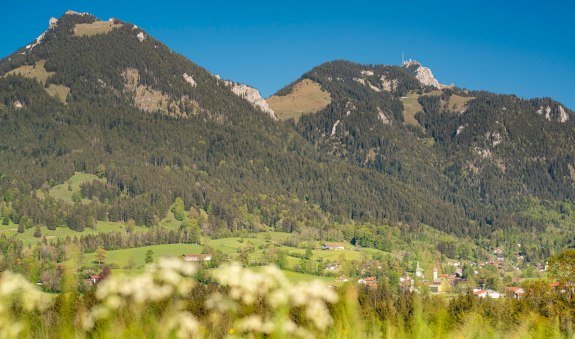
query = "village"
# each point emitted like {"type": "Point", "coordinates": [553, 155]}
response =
{"type": "Point", "coordinates": [447, 283]}
{"type": "Point", "coordinates": [448, 278]}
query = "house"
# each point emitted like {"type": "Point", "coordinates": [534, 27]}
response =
{"type": "Point", "coordinates": [498, 251]}
{"type": "Point", "coordinates": [197, 257]}
{"type": "Point", "coordinates": [514, 292]}
{"type": "Point", "coordinates": [406, 283]}
{"type": "Point", "coordinates": [459, 273]}
{"type": "Point", "coordinates": [366, 280]}
{"type": "Point", "coordinates": [331, 246]}
{"type": "Point", "coordinates": [342, 278]}
{"type": "Point", "coordinates": [369, 281]}
{"type": "Point", "coordinates": [93, 279]}
{"type": "Point", "coordinates": [480, 293]}
{"type": "Point", "coordinates": [486, 293]}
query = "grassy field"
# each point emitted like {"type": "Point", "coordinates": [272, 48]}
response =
{"type": "Point", "coordinates": [138, 254]}
{"type": "Point", "coordinates": [457, 103]}
{"type": "Point", "coordinates": [58, 91]}
{"type": "Point", "coordinates": [231, 246]}
{"type": "Point", "coordinates": [170, 222]}
{"type": "Point", "coordinates": [307, 97]}
{"type": "Point", "coordinates": [121, 259]}
{"type": "Point", "coordinates": [62, 232]}
{"type": "Point", "coordinates": [297, 277]}
{"type": "Point", "coordinates": [97, 27]}
{"type": "Point", "coordinates": [37, 72]}
{"type": "Point", "coordinates": [410, 107]}
{"type": "Point", "coordinates": [69, 187]}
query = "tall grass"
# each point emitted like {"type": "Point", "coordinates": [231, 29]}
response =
{"type": "Point", "coordinates": [173, 299]}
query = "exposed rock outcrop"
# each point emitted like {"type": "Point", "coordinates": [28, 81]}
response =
{"type": "Point", "coordinates": [70, 12]}
{"type": "Point", "coordinates": [388, 85]}
{"type": "Point", "coordinates": [53, 23]}
{"type": "Point", "coordinates": [152, 100]}
{"type": "Point", "coordinates": [548, 113]}
{"type": "Point", "coordinates": [334, 128]}
{"type": "Point", "coordinates": [563, 117]}
{"type": "Point", "coordinates": [251, 95]}
{"type": "Point", "coordinates": [421, 73]}
{"type": "Point", "coordinates": [382, 117]}
{"type": "Point", "coordinates": [190, 80]}
{"type": "Point", "coordinates": [493, 137]}
{"type": "Point", "coordinates": [38, 41]}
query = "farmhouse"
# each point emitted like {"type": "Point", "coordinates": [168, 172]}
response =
{"type": "Point", "coordinates": [332, 246]}
{"type": "Point", "coordinates": [514, 292]}
{"type": "Point", "coordinates": [369, 281]}
{"type": "Point", "coordinates": [486, 293]}
{"type": "Point", "coordinates": [197, 257]}
{"type": "Point", "coordinates": [406, 283]}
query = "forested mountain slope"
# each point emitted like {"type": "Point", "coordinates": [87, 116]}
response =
{"type": "Point", "coordinates": [104, 97]}
{"type": "Point", "coordinates": [364, 143]}
{"type": "Point", "coordinates": [481, 153]}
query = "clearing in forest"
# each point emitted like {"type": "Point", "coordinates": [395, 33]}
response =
{"type": "Point", "coordinates": [307, 96]}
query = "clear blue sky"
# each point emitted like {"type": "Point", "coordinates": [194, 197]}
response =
{"type": "Point", "coordinates": [526, 48]}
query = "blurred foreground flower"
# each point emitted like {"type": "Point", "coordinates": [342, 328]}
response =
{"type": "Point", "coordinates": [271, 287]}
{"type": "Point", "coordinates": [16, 292]}
{"type": "Point", "coordinates": [169, 279]}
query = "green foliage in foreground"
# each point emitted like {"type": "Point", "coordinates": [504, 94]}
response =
{"type": "Point", "coordinates": [173, 299]}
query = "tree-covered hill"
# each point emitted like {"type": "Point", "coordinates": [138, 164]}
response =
{"type": "Point", "coordinates": [156, 127]}
{"type": "Point", "coordinates": [478, 152]}
{"type": "Point", "coordinates": [104, 97]}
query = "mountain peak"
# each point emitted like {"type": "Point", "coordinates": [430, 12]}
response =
{"type": "Point", "coordinates": [71, 12]}
{"type": "Point", "coordinates": [423, 74]}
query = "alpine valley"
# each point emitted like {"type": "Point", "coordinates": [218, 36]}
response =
{"type": "Point", "coordinates": [116, 152]}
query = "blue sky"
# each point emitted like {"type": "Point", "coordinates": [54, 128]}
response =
{"type": "Point", "coordinates": [525, 48]}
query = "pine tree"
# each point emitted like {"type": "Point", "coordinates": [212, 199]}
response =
{"type": "Point", "coordinates": [37, 232]}
{"type": "Point", "coordinates": [149, 257]}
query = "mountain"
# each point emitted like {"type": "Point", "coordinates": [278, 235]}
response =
{"type": "Point", "coordinates": [488, 156]}
{"type": "Point", "coordinates": [104, 97]}
{"type": "Point", "coordinates": [345, 144]}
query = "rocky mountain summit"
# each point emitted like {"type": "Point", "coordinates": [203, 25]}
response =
{"type": "Point", "coordinates": [422, 73]}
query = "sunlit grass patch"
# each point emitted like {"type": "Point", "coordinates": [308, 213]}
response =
{"type": "Point", "coordinates": [97, 27]}
{"type": "Point", "coordinates": [307, 96]}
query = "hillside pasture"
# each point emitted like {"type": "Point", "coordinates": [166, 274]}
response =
{"type": "Point", "coordinates": [121, 258]}
{"type": "Point", "coordinates": [97, 27]}
{"type": "Point", "coordinates": [307, 96]}
{"type": "Point", "coordinates": [458, 103]}
{"type": "Point", "coordinates": [62, 232]}
{"type": "Point", "coordinates": [410, 107]}
{"type": "Point", "coordinates": [66, 190]}
{"type": "Point", "coordinates": [37, 72]}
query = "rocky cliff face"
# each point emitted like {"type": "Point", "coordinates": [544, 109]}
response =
{"type": "Point", "coordinates": [252, 95]}
{"type": "Point", "coordinates": [421, 73]}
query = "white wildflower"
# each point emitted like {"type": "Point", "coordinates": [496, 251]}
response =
{"type": "Point", "coordinates": [220, 303]}
{"type": "Point", "coordinates": [183, 325]}
{"type": "Point", "coordinates": [254, 323]}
